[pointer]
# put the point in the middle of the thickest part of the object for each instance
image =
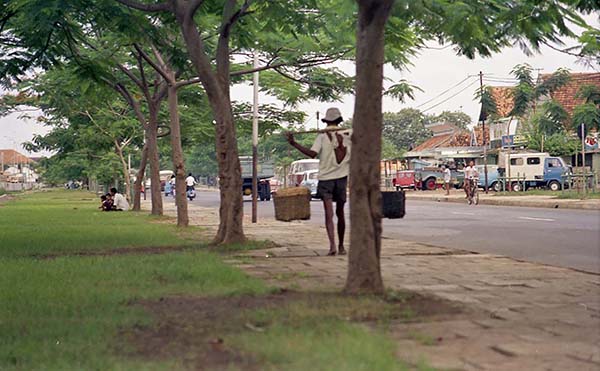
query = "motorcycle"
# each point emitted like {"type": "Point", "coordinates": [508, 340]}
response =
{"type": "Point", "coordinates": [191, 194]}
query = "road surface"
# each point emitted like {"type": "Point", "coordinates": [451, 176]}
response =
{"type": "Point", "coordinates": [559, 237]}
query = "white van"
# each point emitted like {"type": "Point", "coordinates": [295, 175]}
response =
{"type": "Point", "coordinates": [538, 169]}
{"type": "Point", "coordinates": [297, 170]}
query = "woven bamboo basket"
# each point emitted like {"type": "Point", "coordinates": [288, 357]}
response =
{"type": "Point", "coordinates": [292, 204]}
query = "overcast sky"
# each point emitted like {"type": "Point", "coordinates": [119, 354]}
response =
{"type": "Point", "coordinates": [434, 71]}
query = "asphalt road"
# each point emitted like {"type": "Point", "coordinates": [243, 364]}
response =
{"type": "Point", "coordinates": [559, 237]}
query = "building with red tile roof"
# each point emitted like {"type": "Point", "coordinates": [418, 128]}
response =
{"type": "Point", "coordinates": [502, 95]}
{"type": "Point", "coordinates": [566, 94]}
{"type": "Point", "coordinates": [12, 157]}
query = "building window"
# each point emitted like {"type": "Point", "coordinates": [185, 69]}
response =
{"type": "Point", "coordinates": [533, 161]}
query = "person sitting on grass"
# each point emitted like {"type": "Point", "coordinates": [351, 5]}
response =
{"type": "Point", "coordinates": [106, 202]}
{"type": "Point", "coordinates": [120, 202]}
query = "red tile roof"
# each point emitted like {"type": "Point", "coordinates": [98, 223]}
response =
{"type": "Point", "coordinates": [504, 101]}
{"type": "Point", "coordinates": [457, 139]}
{"type": "Point", "coordinates": [565, 95]}
{"type": "Point", "coordinates": [10, 156]}
{"type": "Point", "coordinates": [479, 134]}
{"type": "Point", "coordinates": [434, 142]}
{"type": "Point", "coordinates": [441, 129]}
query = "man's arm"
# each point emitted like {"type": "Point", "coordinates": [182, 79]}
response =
{"type": "Point", "coordinates": [306, 151]}
{"type": "Point", "coordinates": [340, 151]}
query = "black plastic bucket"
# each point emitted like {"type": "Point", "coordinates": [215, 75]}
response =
{"type": "Point", "coordinates": [393, 204]}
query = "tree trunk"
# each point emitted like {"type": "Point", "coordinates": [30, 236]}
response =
{"type": "Point", "coordinates": [126, 175]}
{"type": "Point", "coordinates": [364, 271]}
{"type": "Point", "coordinates": [231, 211]}
{"type": "Point", "coordinates": [152, 144]}
{"type": "Point", "coordinates": [216, 86]}
{"type": "Point", "coordinates": [177, 154]}
{"type": "Point", "coordinates": [139, 180]}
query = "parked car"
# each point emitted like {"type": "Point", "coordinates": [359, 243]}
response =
{"type": "Point", "coordinates": [537, 170]}
{"type": "Point", "coordinates": [404, 179]}
{"type": "Point", "coordinates": [492, 182]}
{"type": "Point", "coordinates": [310, 180]}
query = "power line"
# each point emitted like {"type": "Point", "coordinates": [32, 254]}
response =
{"type": "Point", "coordinates": [444, 92]}
{"type": "Point", "coordinates": [452, 96]}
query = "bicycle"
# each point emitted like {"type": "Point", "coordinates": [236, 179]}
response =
{"type": "Point", "coordinates": [473, 197]}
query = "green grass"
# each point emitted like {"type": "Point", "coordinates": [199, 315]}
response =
{"type": "Point", "coordinates": [60, 222]}
{"type": "Point", "coordinates": [65, 313]}
{"type": "Point", "coordinates": [319, 332]}
{"type": "Point", "coordinates": [68, 312]}
{"type": "Point", "coordinates": [568, 194]}
{"type": "Point", "coordinates": [578, 195]}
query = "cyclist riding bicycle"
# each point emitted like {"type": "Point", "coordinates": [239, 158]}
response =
{"type": "Point", "coordinates": [471, 178]}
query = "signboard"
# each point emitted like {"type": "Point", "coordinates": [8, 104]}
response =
{"type": "Point", "coordinates": [513, 140]}
{"type": "Point", "coordinates": [508, 141]}
{"type": "Point", "coordinates": [591, 143]}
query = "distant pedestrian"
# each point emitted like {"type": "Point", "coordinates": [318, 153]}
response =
{"type": "Point", "coordinates": [447, 178]}
{"type": "Point", "coordinates": [471, 175]}
{"type": "Point", "coordinates": [119, 201]}
{"type": "Point", "coordinates": [333, 149]}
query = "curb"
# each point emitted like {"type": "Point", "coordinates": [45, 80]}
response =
{"type": "Point", "coordinates": [550, 204]}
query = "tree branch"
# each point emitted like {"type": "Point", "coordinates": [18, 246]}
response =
{"type": "Point", "coordinates": [153, 8]}
{"type": "Point", "coordinates": [194, 5]}
{"type": "Point", "coordinates": [565, 51]}
{"type": "Point", "coordinates": [141, 67]}
{"type": "Point", "coordinates": [154, 65]}
{"type": "Point", "coordinates": [131, 76]}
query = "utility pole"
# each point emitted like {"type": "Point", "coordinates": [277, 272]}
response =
{"type": "Point", "coordinates": [255, 142]}
{"type": "Point", "coordinates": [317, 120]}
{"type": "Point", "coordinates": [484, 141]}
{"type": "Point", "coordinates": [584, 185]}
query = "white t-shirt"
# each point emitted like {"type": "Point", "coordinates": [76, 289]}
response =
{"type": "Point", "coordinates": [471, 172]}
{"type": "Point", "coordinates": [190, 181]}
{"type": "Point", "coordinates": [328, 167]}
{"type": "Point", "coordinates": [447, 175]}
{"type": "Point", "coordinates": [120, 202]}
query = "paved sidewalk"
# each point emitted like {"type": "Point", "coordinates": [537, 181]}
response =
{"type": "Point", "coordinates": [491, 199]}
{"type": "Point", "coordinates": [521, 316]}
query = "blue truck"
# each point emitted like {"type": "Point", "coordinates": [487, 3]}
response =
{"type": "Point", "coordinates": [265, 169]}
{"type": "Point", "coordinates": [535, 170]}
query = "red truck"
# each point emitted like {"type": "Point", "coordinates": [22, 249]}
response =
{"type": "Point", "coordinates": [427, 179]}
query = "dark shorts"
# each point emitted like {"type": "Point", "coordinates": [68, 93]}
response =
{"type": "Point", "coordinates": [333, 189]}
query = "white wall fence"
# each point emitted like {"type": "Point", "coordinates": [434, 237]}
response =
{"type": "Point", "coordinates": [15, 187]}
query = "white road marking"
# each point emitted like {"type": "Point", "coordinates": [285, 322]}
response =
{"type": "Point", "coordinates": [459, 213]}
{"type": "Point", "coordinates": [538, 219]}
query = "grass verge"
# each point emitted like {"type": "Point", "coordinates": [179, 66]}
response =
{"type": "Point", "coordinates": [568, 194]}
{"type": "Point", "coordinates": [63, 222]}
{"type": "Point", "coordinates": [80, 309]}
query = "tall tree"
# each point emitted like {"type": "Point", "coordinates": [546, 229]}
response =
{"type": "Point", "coordinates": [588, 112]}
{"type": "Point", "coordinates": [212, 63]}
{"type": "Point", "coordinates": [471, 26]}
{"type": "Point", "coordinates": [457, 118]}
{"type": "Point", "coordinates": [406, 128]}
{"type": "Point", "coordinates": [364, 272]}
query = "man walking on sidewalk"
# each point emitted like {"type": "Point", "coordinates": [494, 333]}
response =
{"type": "Point", "coordinates": [333, 149]}
{"type": "Point", "coordinates": [447, 178]}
